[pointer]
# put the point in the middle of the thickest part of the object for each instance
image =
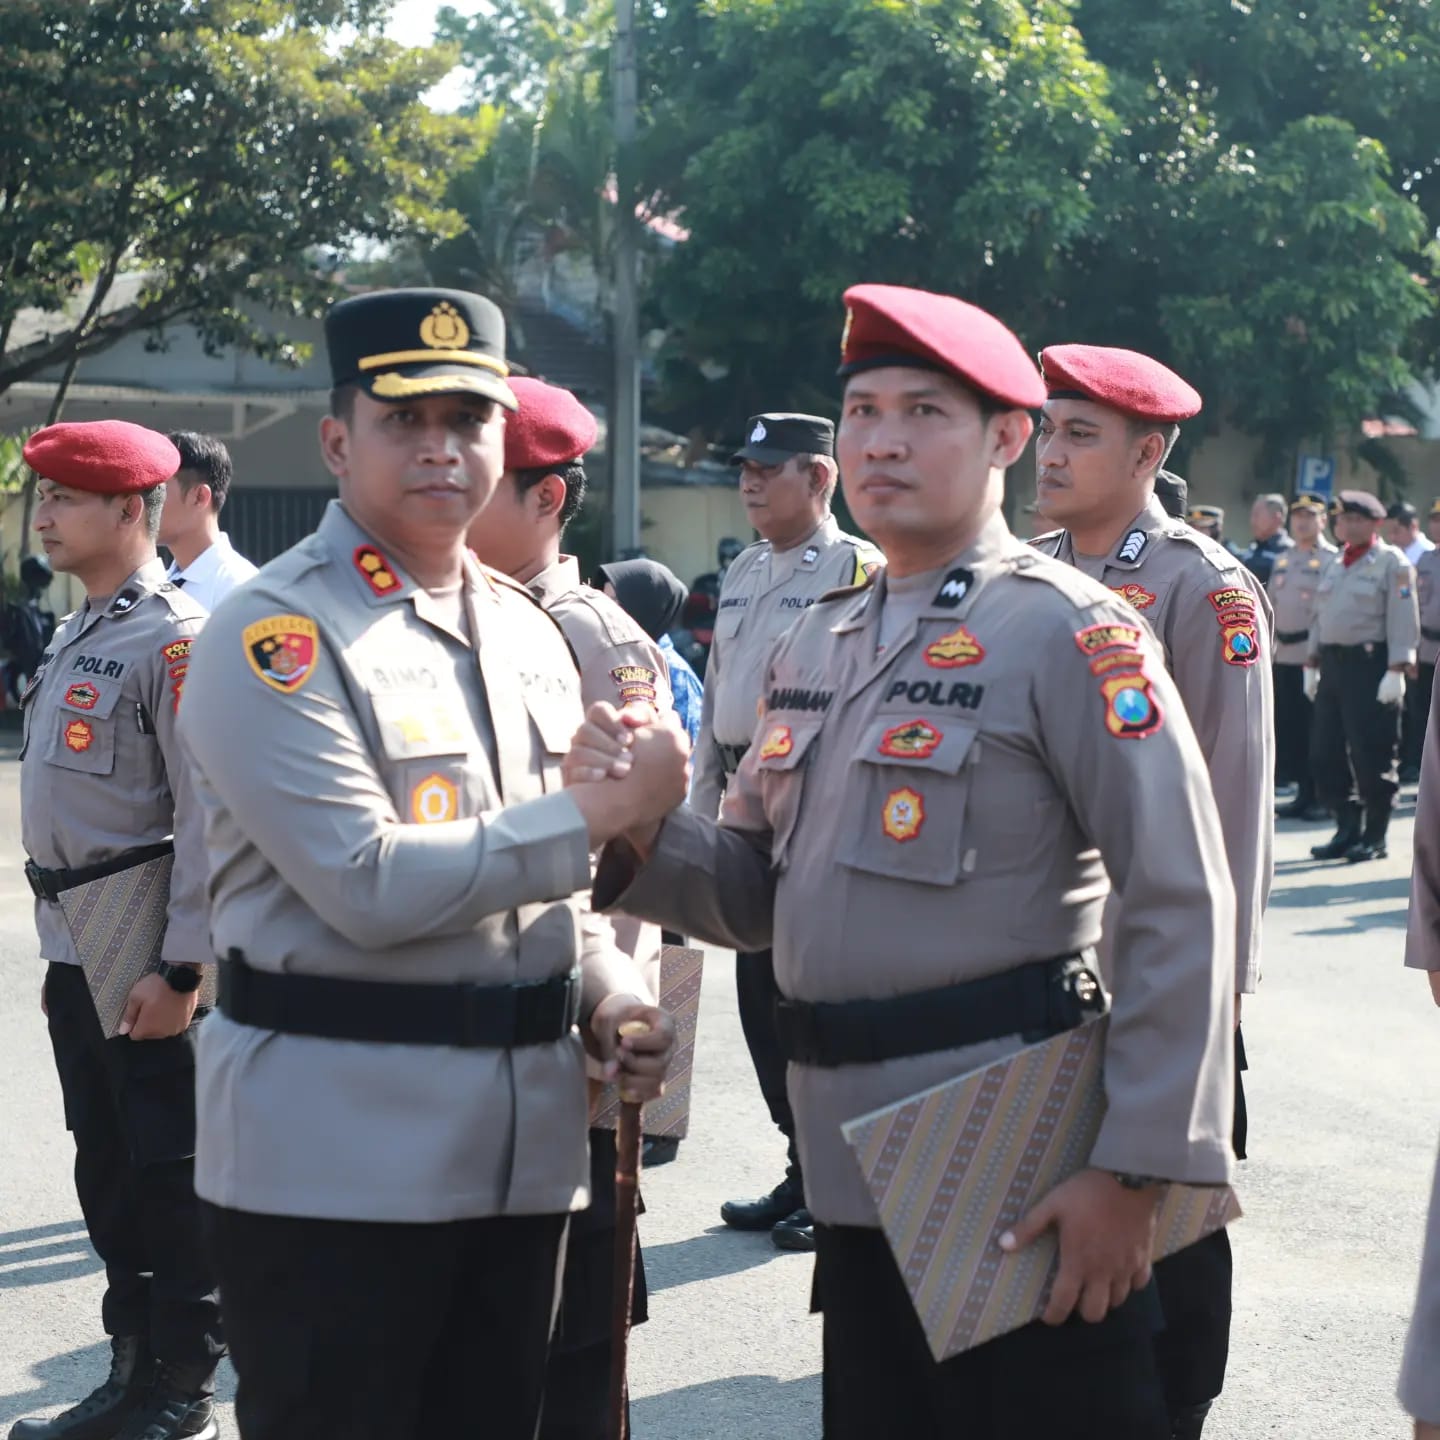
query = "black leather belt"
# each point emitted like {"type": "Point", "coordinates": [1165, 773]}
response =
{"type": "Point", "coordinates": [731, 756]}
{"type": "Point", "coordinates": [1430, 634]}
{"type": "Point", "coordinates": [463, 1016]}
{"type": "Point", "coordinates": [1035, 1001]}
{"type": "Point", "coordinates": [51, 884]}
{"type": "Point", "coordinates": [1291, 637]}
{"type": "Point", "coordinates": [1369, 650]}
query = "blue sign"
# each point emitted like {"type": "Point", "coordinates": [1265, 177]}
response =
{"type": "Point", "coordinates": [1315, 475]}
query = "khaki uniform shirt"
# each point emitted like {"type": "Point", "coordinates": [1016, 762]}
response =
{"type": "Point", "coordinates": [1212, 619]}
{"type": "Point", "coordinates": [761, 597]}
{"type": "Point", "coordinates": [621, 664]}
{"type": "Point", "coordinates": [1292, 587]}
{"type": "Point", "coordinates": [937, 812]}
{"type": "Point", "coordinates": [1427, 582]}
{"type": "Point", "coordinates": [389, 808]}
{"type": "Point", "coordinates": [101, 766]}
{"type": "Point", "coordinates": [1370, 602]}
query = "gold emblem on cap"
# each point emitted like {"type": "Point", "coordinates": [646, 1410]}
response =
{"type": "Point", "coordinates": [845, 333]}
{"type": "Point", "coordinates": [443, 329]}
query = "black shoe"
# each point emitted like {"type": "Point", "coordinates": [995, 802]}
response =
{"type": "Point", "coordinates": [794, 1232]}
{"type": "Point", "coordinates": [1366, 850]}
{"type": "Point", "coordinates": [1337, 848]}
{"type": "Point", "coordinates": [180, 1406]}
{"type": "Point", "coordinates": [102, 1414]}
{"type": "Point", "coordinates": [766, 1212]}
{"type": "Point", "coordinates": [658, 1150]}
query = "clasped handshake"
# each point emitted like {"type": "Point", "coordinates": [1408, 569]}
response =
{"type": "Point", "coordinates": [627, 770]}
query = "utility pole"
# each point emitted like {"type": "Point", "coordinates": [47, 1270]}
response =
{"type": "Point", "coordinates": [624, 437]}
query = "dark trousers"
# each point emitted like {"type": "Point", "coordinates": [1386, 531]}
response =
{"type": "Point", "coordinates": [350, 1330]}
{"type": "Point", "coordinates": [1075, 1381]}
{"type": "Point", "coordinates": [1292, 730]}
{"type": "Point", "coordinates": [1354, 739]}
{"type": "Point", "coordinates": [130, 1104]}
{"type": "Point", "coordinates": [758, 996]}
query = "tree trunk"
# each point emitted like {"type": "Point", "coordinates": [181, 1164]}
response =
{"type": "Point", "coordinates": [56, 406]}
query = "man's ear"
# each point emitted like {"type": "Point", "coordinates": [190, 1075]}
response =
{"type": "Point", "coordinates": [335, 445]}
{"type": "Point", "coordinates": [1151, 455]}
{"type": "Point", "coordinates": [1010, 433]}
{"type": "Point", "coordinates": [549, 497]}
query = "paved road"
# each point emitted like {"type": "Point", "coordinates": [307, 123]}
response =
{"type": "Point", "coordinates": [1345, 1110]}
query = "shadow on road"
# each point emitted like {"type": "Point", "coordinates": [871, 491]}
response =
{"type": "Point", "coordinates": [20, 1249]}
{"type": "Point", "coordinates": [1351, 888]}
{"type": "Point", "coordinates": [790, 1408]}
{"type": "Point", "coordinates": [719, 1251]}
{"type": "Point", "coordinates": [63, 1379]}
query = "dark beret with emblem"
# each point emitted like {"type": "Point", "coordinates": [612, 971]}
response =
{"type": "Point", "coordinates": [893, 325]}
{"type": "Point", "coordinates": [1206, 515]}
{"type": "Point", "coordinates": [773, 439]}
{"type": "Point", "coordinates": [551, 427]}
{"type": "Point", "coordinates": [1125, 380]}
{"type": "Point", "coordinates": [1308, 500]}
{"type": "Point", "coordinates": [1360, 502]}
{"type": "Point", "coordinates": [399, 344]}
{"type": "Point", "coordinates": [107, 457]}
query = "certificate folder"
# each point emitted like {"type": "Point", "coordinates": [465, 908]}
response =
{"type": "Point", "coordinates": [954, 1167]}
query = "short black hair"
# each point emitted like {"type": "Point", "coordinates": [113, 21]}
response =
{"type": "Point", "coordinates": [207, 459]}
{"type": "Point", "coordinates": [342, 402]}
{"type": "Point", "coordinates": [1168, 433]}
{"type": "Point", "coordinates": [573, 474]}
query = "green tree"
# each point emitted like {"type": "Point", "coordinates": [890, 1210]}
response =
{"type": "Point", "coordinates": [220, 150]}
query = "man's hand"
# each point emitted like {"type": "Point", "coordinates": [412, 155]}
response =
{"type": "Point", "coordinates": [1435, 985]}
{"type": "Point", "coordinates": [600, 749]}
{"type": "Point", "coordinates": [1106, 1235]}
{"type": "Point", "coordinates": [1391, 690]}
{"type": "Point", "coordinates": [1311, 681]}
{"type": "Point", "coordinates": [156, 1012]}
{"type": "Point", "coordinates": [637, 1057]}
{"type": "Point", "coordinates": [655, 773]}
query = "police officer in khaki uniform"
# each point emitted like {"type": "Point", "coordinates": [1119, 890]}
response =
{"type": "Point", "coordinates": [1111, 417]}
{"type": "Point", "coordinates": [1293, 583]}
{"type": "Point", "coordinates": [1427, 585]}
{"type": "Point", "coordinates": [393, 1091]}
{"type": "Point", "coordinates": [1362, 640]}
{"type": "Point", "coordinates": [519, 532]}
{"type": "Point", "coordinates": [787, 480]}
{"type": "Point", "coordinates": [103, 791]}
{"type": "Point", "coordinates": [946, 755]}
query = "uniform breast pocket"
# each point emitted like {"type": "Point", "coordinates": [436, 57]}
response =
{"type": "Point", "coordinates": [782, 757]}
{"type": "Point", "coordinates": [912, 788]}
{"type": "Point", "coordinates": [427, 739]}
{"type": "Point", "coordinates": [728, 622]}
{"type": "Point", "coordinates": [556, 722]}
{"type": "Point", "coordinates": [84, 723]}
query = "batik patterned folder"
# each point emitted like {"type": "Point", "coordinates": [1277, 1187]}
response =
{"type": "Point", "coordinates": [680, 974]}
{"type": "Point", "coordinates": [118, 926]}
{"type": "Point", "coordinates": [954, 1167]}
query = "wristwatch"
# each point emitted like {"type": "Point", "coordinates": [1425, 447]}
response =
{"type": "Point", "coordinates": [1135, 1182]}
{"type": "Point", "coordinates": [184, 979]}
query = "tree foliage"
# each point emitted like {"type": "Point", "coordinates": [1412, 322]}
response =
{"type": "Point", "coordinates": [221, 149]}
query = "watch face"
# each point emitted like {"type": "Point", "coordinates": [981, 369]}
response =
{"type": "Point", "coordinates": [181, 978]}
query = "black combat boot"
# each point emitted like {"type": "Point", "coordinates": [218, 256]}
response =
{"type": "Point", "coordinates": [795, 1232]}
{"type": "Point", "coordinates": [1371, 845]}
{"type": "Point", "coordinates": [766, 1212]}
{"type": "Point", "coordinates": [103, 1413]}
{"type": "Point", "coordinates": [180, 1406]}
{"type": "Point", "coordinates": [1346, 837]}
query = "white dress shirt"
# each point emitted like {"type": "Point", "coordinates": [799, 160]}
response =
{"type": "Point", "coordinates": [1417, 547]}
{"type": "Point", "coordinates": [213, 574]}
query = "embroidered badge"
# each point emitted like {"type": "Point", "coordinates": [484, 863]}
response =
{"type": "Point", "coordinates": [1235, 613]}
{"type": "Point", "coordinates": [177, 675]}
{"type": "Point", "coordinates": [953, 589]}
{"type": "Point", "coordinates": [915, 740]}
{"type": "Point", "coordinates": [178, 650]}
{"type": "Point", "coordinates": [777, 744]}
{"type": "Point", "coordinates": [1116, 660]}
{"type": "Point", "coordinates": [79, 735]}
{"type": "Point", "coordinates": [1135, 595]}
{"type": "Point", "coordinates": [1235, 597]}
{"type": "Point", "coordinates": [83, 696]}
{"type": "Point", "coordinates": [281, 650]}
{"type": "Point", "coordinates": [634, 682]}
{"type": "Point", "coordinates": [434, 800]}
{"type": "Point", "coordinates": [1095, 638]}
{"type": "Point", "coordinates": [375, 570]}
{"type": "Point", "coordinates": [870, 567]}
{"type": "Point", "coordinates": [904, 815]}
{"type": "Point", "coordinates": [1133, 546]}
{"type": "Point", "coordinates": [1131, 709]}
{"type": "Point", "coordinates": [954, 650]}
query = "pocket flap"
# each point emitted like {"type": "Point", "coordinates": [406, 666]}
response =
{"type": "Point", "coordinates": [86, 696]}
{"type": "Point", "coordinates": [783, 745]}
{"type": "Point", "coordinates": [925, 744]}
{"type": "Point", "coordinates": [418, 723]}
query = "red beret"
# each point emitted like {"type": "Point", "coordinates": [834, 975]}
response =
{"type": "Point", "coordinates": [551, 427]}
{"type": "Point", "coordinates": [893, 325]}
{"type": "Point", "coordinates": [1122, 379]}
{"type": "Point", "coordinates": [110, 457]}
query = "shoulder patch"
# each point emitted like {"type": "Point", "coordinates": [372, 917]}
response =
{"type": "Point", "coordinates": [1235, 614]}
{"type": "Point", "coordinates": [1131, 710]}
{"type": "Point", "coordinates": [281, 650]}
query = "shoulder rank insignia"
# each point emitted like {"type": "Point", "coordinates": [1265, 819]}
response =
{"type": "Point", "coordinates": [375, 570]}
{"type": "Point", "coordinates": [281, 650]}
{"type": "Point", "coordinates": [1133, 546]}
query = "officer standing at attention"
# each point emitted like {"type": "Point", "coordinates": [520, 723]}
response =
{"type": "Point", "coordinates": [1427, 583]}
{"type": "Point", "coordinates": [787, 481]}
{"type": "Point", "coordinates": [1294, 579]}
{"type": "Point", "coordinates": [1111, 417]}
{"type": "Point", "coordinates": [1362, 640]}
{"type": "Point", "coordinates": [519, 533]}
{"type": "Point", "coordinates": [1268, 537]}
{"type": "Point", "coordinates": [963, 747]}
{"type": "Point", "coordinates": [392, 1090]}
{"type": "Point", "coordinates": [104, 790]}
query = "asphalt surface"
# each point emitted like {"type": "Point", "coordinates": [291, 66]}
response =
{"type": "Point", "coordinates": [1344, 1113]}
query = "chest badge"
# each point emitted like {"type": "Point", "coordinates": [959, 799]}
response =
{"type": "Point", "coordinates": [79, 736]}
{"type": "Point", "coordinates": [915, 740]}
{"type": "Point", "coordinates": [434, 800]}
{"type": "Point", "coordinates": [1135, 595]}
{"type": "Point", "coordinates": [954, 650]}
{"type": "Point", "coordinates": [778, 743]}
{"type": "Point", "coordinates": [903, 816]}
{"type": "Point", "coordinates": [281, 650]}
{"type": "Point", "coordinates": [83, 696]}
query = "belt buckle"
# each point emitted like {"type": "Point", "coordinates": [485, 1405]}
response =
{"type": "Point", "coordinates": [41, 889]}
{"type": "Point", "coordinates": [1076, 994]}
